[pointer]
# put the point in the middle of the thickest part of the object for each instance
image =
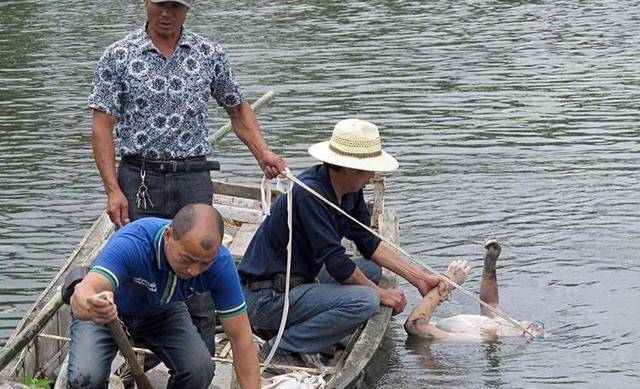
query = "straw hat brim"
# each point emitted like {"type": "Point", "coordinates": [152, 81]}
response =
{"type": "Point", "coordinates": [381, 163]}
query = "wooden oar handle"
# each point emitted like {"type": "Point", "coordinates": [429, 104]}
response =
{"type": "Point", "coordinates": [129, 355]}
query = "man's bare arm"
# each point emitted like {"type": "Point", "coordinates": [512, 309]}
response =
{"type": "Point", "coordinates": [86, 302]}
{"type": "Point", "coordinates": [245, 355]}
{"type": "Point", "coordinates": [105, 157]}
{"type": "Point", "coordinates": [247, 128]}
{"type": "Point", "coordinates": [387, 257]}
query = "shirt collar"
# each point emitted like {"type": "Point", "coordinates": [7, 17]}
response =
{"type": "Point", "coordinates": [348, 199]}
{"type": "Point", "coordinates": [186, 39]}
{"type": "Point", "coordinates": [158, 249]}
{"type": "Point", "coordinates": [323, 173]}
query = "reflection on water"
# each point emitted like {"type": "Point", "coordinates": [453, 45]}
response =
{"type": "Point", "coordinates": [513, 119]}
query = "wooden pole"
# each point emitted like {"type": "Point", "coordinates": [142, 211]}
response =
{"type": "Point", "coordinates": [377, 208]}
{"type": "Point", "coordinates": [129, 355]}
{"type": "Point", "coordinates": [16, 345]}
{"type": "Point", "coordinates": [225, 129]}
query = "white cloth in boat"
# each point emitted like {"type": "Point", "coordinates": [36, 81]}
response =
{"type": "Point", "coordinates": [294, 380]}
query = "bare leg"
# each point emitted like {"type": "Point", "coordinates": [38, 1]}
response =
{"type": "Point", "coordinates": [417, 324]}
{"type": "Point", "coordinates": [489, 283]}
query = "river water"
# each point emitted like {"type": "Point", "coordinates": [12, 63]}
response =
{"type": "Point", "coordinates": [510, 119]}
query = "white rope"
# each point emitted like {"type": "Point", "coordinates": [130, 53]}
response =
{"type": "Point", "coordinates": [285, 308]}
{"type": "Point", "coordinates": [265, 197]}
{"type": "Point", "coordinates": [467, 293]}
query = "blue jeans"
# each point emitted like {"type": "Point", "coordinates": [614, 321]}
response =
{"type": "Point", "coordinates": [171, 335]}
{"type": "Point", "coordinates": [320, 314]}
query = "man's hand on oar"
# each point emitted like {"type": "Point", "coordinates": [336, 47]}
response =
{"type": "Point", "coordinates": [101, 307]}
{"type": "Point", "coordinates": [122, 341]}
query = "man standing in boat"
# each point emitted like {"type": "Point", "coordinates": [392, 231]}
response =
{"type": "Point", "coordinates": [146, 269]}
{"type": "Point", "coordinates": [153, 86]}
{"type": "Point", "coordinates": [330, 294]}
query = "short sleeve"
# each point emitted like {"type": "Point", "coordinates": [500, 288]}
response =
{"type": "Point", "coordinates": [224, 284]}
{"type": "Point", "coordinates": [224, 86]}
{"type": "Point", "coordinates": [113, 261]}
{"type": "Point", "coordinates": [106, 90]}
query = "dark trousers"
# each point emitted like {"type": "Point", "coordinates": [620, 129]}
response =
{"type": "Point", "coordinates": [169, 192]}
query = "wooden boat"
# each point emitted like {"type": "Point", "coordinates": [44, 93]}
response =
{"type": "Point", "coordinates": [39, 345]}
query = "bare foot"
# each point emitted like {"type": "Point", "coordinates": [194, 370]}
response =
{"type": "Point", "coordinates": [493, 250]}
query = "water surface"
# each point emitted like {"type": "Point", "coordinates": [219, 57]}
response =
{"type": "Point", "coordinates": [510, 119]}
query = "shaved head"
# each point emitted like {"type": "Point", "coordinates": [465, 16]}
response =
{"type": "Point", "coordinates": [204, 220]}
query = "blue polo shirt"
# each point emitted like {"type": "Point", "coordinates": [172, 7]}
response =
{"type": "Point", "coordinates": [133, 260]}
{"type": "Point", "coordinates": [317, 233]}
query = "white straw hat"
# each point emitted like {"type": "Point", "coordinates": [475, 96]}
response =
{"type": "Point", "coordinates": [355, 144]}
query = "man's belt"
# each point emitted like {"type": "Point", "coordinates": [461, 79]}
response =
{"type": "Point", "coordinates": [278, 282]}
{"type": "Point", "coordinates": [196, 164]}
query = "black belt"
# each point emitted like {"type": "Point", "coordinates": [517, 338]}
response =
{"type": "Point", "coordinates": [196, 164]}
{"type": "Point", "coordinates": [278, 282]}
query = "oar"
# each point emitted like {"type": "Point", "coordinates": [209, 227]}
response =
{"type": "Point", "coordinates": [125, 348]}
{"type": "Point", "coordinates": [225, 129]}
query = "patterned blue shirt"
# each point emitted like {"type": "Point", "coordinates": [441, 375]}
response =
{"type": "Point", "coordinates": [161, 104]}
{"type": "Point", "coordinates": [144, 284]}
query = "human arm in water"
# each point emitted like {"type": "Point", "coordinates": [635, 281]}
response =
{"type": "Point", "coordinates": [417, 324]}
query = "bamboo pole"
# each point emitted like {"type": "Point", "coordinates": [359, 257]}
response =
{"type": "Point", "coordinates": [31, 328]}
{"type": "Point", "coordinates": [225, 129]}
{"type": "Point", "coordinates": [30, 331]}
